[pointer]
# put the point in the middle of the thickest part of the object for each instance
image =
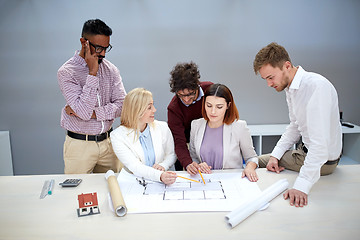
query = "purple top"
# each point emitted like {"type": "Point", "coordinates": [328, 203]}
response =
{"type": "Point", "coordinates": [211, 150]}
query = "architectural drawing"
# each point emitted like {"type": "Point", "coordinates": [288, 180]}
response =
{"type": "Point", "coordinates": [187, 190]}
{"type": "Point", "coordinates": [223, 191]}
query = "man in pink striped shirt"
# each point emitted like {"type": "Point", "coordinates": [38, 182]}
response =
{"type": "Point", "coordinates": [94, 94]}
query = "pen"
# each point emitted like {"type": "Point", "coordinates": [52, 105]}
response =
{"type": "Point", "coordinates": [188, 179]}
{"type": "Point", "coordinates": [51, 185]}
{"type": "Point", "coordinates": [201, 176]}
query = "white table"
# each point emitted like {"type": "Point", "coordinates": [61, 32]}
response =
{"type": "Point", "coordinates": [333, 213]}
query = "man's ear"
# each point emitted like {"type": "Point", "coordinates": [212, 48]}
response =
{"type": "Point", "coordinates": [82, 41]}
{"type": "Point", "coordinates": [82, 50]}
{"type": "Point", "coordinates": [287, 65]}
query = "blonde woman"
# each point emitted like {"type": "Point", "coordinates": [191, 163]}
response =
{"type": "Point", "coordinates": [144, 145]}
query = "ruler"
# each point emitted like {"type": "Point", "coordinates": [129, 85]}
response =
{"type": "Point", "coordinates": [45, 189]}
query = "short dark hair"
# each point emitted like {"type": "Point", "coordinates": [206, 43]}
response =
{"type": "Point", "coordinates": [273, 54]}
{"type": "Point", "coordinates": [184, 76]}
{"type": "Point", "coordinates": [95, 27]}
{"type": "Point", "coordinates": [220, 90]}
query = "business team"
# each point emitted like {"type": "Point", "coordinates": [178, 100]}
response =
{"type": "Point", "coordinates": [203, 132]}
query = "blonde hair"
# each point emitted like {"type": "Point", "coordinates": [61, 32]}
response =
{"type": "Point", "coordinates": [134, 106]}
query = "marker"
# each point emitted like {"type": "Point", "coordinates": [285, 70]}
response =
{"type": "Point", "coordinates": [51, 186]}
{"type": "Point", "coordinates": [202, 177]}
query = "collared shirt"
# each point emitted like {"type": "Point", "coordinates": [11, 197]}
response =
{"type": "Point", "coordinates": [147, 146]}
{"type": "Point", "coordinates": [201, 94]}
{"type": "Point", "coordinates": [84, 93]}
{"type": "Point", "coordinates": [314, 115]}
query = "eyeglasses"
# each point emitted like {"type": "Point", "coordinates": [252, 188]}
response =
{"type": "Point", "coordinates": [190, 94]}
{"type": "Point", "coordinates": [99, 49]}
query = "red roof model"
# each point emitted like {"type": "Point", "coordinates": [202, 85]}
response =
{"type": "Point", "coordinates": [88, 204]}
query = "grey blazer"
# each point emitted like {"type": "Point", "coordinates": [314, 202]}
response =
{"type": "Point", "coordinates": [237, 143]}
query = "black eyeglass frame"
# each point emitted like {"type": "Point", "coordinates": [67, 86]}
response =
{"type": "Point", "coordinates": [99, 49]}
{"type": "Point", "coordinates": [190, 94]}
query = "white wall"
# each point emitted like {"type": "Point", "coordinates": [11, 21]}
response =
{"type": "Point", "coordinates": [149, 38]}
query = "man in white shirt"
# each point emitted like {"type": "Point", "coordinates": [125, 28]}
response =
{"type": "Point", "coordinates": [314, 117]}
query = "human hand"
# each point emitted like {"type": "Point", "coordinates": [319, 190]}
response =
{"type": "Point", "coordinates": [273, 165]}
{"type": "Point", "coordinates": [296, 197]}
{"type": "Point", "coordinates": [158, 167]}
{"type": "Point", "coordinates": [70, 111]}
{"type": "Point", "coordinates": [93, 116]}
{"type": "Point", "coordinates": [192, 168]}
{"type": "Point", "coordinates": [250, 172]}
{"type": "Point", "coordinates": [91, 60]}
{"type": "Point", "coordinates": [168, 177]}
{"type": "Point", "coordinates": [204, 168]}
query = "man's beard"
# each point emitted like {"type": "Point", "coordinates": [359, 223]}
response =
{"type": "Point", "coordinates": [100, 58]}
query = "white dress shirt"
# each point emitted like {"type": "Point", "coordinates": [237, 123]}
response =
{"type": "Point", "coordinates": [314, 116]}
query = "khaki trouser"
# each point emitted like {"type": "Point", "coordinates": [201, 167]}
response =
{"type": "Point", "coordinates": [294, 160]}
{"type": "Point", "coordinates": [82, 156]}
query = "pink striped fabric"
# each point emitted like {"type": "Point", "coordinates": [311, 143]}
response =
{"type": "Point", "coordinates": [81, 92]}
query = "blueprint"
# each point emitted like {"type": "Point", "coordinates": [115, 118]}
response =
{"type": "Point", "coordinates": [222, 191]}
{"type": "Point", "coordinates": [187, 190]}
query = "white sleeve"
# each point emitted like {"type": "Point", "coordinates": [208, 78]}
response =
{"type": "Point", "coordinates": [318, 113]}
{"type": "Point", "coordinates": [289, 137]}
{"type": "Point", "coordinates": [129, 158]}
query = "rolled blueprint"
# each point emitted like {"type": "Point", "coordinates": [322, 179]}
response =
{"type": "Point", "coordinates": [116, 196]}
{"type": "Point", "coordinates": [249, 207]}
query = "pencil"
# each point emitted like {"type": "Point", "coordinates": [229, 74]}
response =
{"type": "Point", "coordinates": [188, 179]}
{"type": "Point", "coordinates": [201, 176]}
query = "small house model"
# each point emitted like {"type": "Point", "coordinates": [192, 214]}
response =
{"type": "Point", "coordinates": [88, 204]}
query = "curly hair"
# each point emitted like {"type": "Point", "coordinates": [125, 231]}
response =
{"type": "Point", "coordinates": [273, 54]}
{"type": "Point", "coordinates": [184, 76]}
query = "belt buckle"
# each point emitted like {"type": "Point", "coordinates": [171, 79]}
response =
{"type": "Point", "coordinates": [100, 137]}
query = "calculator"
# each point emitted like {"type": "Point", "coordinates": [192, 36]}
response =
{"type": "Point", "coordinates": [71, 182]}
